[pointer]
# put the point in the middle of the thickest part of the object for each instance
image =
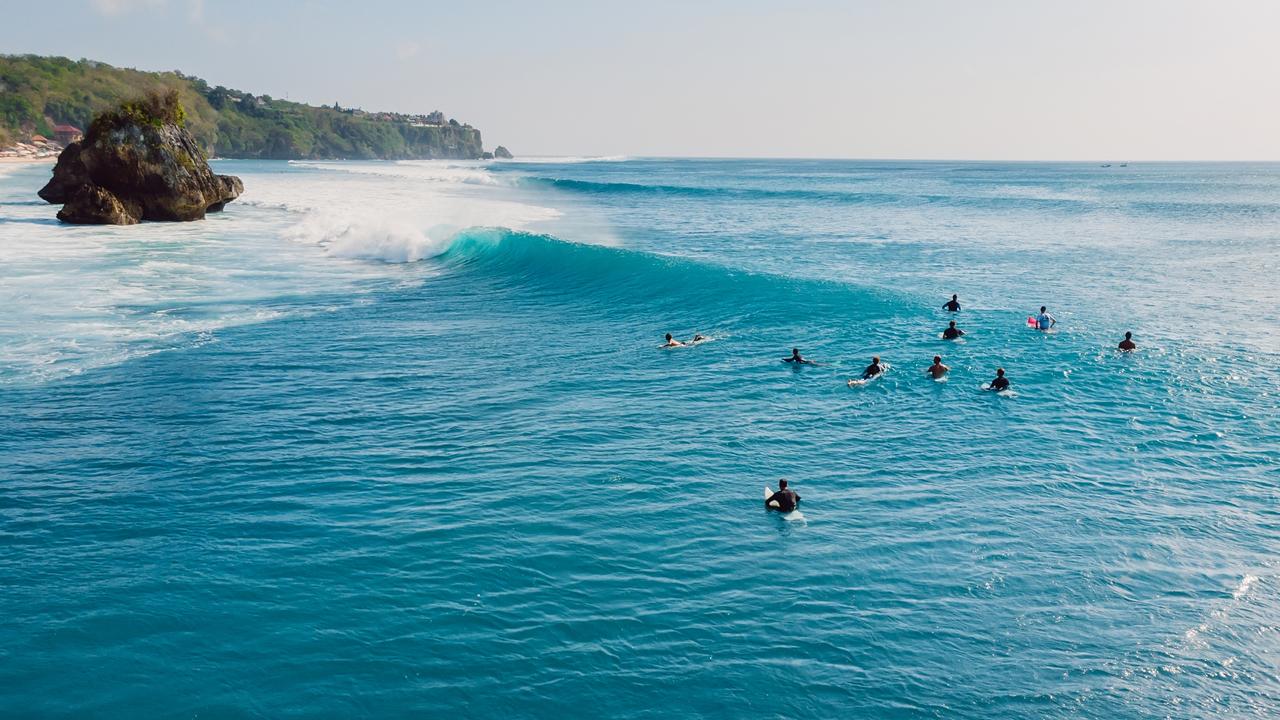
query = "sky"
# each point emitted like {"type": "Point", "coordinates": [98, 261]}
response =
{"type": "Point", "coordinates": [930, 79]}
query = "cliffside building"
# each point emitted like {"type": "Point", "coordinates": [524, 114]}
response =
{"type": "Point", "coordinates": [67, 134]}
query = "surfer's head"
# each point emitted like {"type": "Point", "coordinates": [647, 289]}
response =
{"type": "Point", "coordinates": [795, 352]}
{"type": "Point", "coordinates": [782, 484]}
{"type": "Point", "coordinates": [937, 359]}
{"type": "Point", "coordinates": [875, 360]}
{"type": "Point", "coordinates": [1128, 336]}
{"type": "Point", "coordinates": [955, 297]}
{"type": "Point", "coordinates": [953, 323]}
{"type": "Point", "coordinates": [1043, 308]}
{"type": "Point", "coordinates": [999, 372]}
{"type": "Point", "coordinates": [668, 337]}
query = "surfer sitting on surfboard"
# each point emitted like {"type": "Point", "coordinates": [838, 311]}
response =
{"type": "Point", "coordinates": [1000, 383]}
{"type": "Point", "coordinates": [937, 369]}
{"type": "Point", "coordinates": [795, 358]}
{"type": "Point", "coordinates": [784, 500]}
{"type": "Point", "coordinates": [1044, 320]}
{"type": "Point", "coordinates": [952, 332]}
{"type": "Point", "coordinates": [874, 369]}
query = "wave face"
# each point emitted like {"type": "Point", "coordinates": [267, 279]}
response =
{"type": "Point", "coordinates": [403, 435]}
{"type": "Point", "coordinates": [619, 276]}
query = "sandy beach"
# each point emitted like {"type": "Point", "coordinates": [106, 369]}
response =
{"type": "Point", "coordinates": [18, 160]}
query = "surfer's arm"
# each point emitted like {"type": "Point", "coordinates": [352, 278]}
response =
{"type": "Point", "coordinates": [771, 498]}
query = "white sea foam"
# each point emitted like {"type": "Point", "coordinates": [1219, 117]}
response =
{"type": "Point", "coordinates": [366, 238]}
{"type": "Point", "coordinates": [83, 297]}
{"type": "Point", "coordinates": [1246, 584]}
{"type": "Point", "coordinates": [566, 160]}
{"type": "Point", "coordinates": [434, 171]}
{"type": "Point", "coordinates": [382, 217]}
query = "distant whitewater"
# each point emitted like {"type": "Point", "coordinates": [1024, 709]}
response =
{"type": "Point", "coordinates": [397, 439]}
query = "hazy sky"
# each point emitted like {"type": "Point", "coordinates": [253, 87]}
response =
{"type": "Point", "coordinates": [1115, 80]}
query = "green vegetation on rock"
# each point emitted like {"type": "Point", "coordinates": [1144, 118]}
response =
{"type": "Point", "coordinates": [37, 93]}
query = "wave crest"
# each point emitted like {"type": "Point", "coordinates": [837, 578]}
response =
{"type": "Point", "coordinates": [389, 241]}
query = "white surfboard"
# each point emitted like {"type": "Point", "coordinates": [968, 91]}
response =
{"type": "Point", "coordinates": [768, 493]}
{"type": "Point", "coordinates": [1007, 393]}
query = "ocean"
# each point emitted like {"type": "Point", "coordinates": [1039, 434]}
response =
{"type": "Point", "coordinates": [398, 440]}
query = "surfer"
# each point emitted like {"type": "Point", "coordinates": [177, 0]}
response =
{"type": "Point", "coordinates": [795, 358]}
{"type": "Point", "coordinates": [1000, 383]}
{"type": "Point", "coordinates": [952, 332]}
{"type": "Point", "coordinates": [787, 500]}
{"type": "Point", "coordinates": [672, 342]}
{"type": "Point", "coordinates": [1044, 320]}
{"type": "Point", "coordinates": [937, 369]}
{"type": "Point", "coordinates": [953, 305]}
{"type": "Point", "coordinates": [874, 369]}
{"type": "Point", "coordinates": [1127, 344]}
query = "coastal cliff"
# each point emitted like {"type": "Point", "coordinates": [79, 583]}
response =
{"type": "Point", "coordinates": [52, 97]}
{"type": "Point", "coordinates": [138, 162]}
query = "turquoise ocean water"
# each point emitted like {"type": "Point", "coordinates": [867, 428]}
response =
{"type": "Point", "coordinates": [396, 440]}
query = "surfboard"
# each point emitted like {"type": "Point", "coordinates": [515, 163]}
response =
{"type": "Point", "coordinates": [768, 493]}
{"type": "Point", "coordinates": [1008, 392]}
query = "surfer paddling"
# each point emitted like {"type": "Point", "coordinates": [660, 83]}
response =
{"type": "Point", "coordinates": [797, 359]}
{"type": "Point", "coordinates": [785, 500]}
{"type": "Point", "coordinates": [672, 342]}
{"type": "Point", "coordinates": [874, 369]}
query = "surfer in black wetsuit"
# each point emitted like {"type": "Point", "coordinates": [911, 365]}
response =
{"type": "Point", "coordinates": [1127, 344]}
{"type": "Point", "coordinates": [952, 332]}
{"type": "Point", "coordinates": [795, 358]}
{"type": "Point", "coordinates": [787, 500]}
{"type": "Point", "coordinates": [874, 369]}
{"type": "Point", "coordinates": [953, 305]}
{"type": "Point", "coordinates": [1000, 383]}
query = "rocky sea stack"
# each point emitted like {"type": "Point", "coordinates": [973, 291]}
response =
{"type": "Point", "coordinates": [137, 163]}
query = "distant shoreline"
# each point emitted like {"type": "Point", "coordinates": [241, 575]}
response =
{"type": "Point", "coordinates": [27, 160]}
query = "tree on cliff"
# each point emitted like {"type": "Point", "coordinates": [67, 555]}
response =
{"type": "Point", "coordinates": [38, 92]}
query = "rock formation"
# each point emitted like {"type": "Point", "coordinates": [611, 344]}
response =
{"type": "Point", "coordinates": [138, 163]}
{"type": "Point", "coordinates": [502, 153]}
